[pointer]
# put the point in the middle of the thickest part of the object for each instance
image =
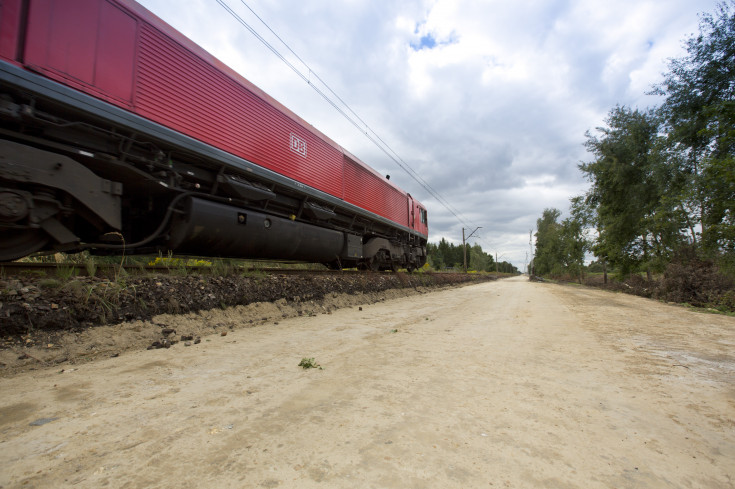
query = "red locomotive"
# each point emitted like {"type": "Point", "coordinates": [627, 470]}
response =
{"type": "Point", "coordinates": [117, 133]}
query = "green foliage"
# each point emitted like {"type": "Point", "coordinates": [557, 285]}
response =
{"type": "Point", "coordinates": [478, 260]}
{"type": "Point", "coordinates": [307, 363]}
{"type": "Point", "coordinates": [560, 246]}
{"type": "Point", "coordinates": [447, 255]}
{"type": "Point", "coordinates": [636, 191]}
{"type": "Point", "coordinates": [91, 266]}
{"type": "Point", "coordinates": [699, 113]}
{"type": "Point", "coordinates": [66, 272]}
{"type": "Point", "coordinates": [547, 257]}
{"type": "Point", "coordinates": [662, 180]}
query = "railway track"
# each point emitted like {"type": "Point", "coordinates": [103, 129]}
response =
{"type": "Point", "coordinates": [105, 269]}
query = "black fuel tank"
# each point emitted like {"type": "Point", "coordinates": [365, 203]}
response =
{"type": "Point", "coordinates": [213, 229]}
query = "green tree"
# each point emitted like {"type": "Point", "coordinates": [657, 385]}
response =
{"type": "Point", "coordinates": [445, 254]}
{"type": "Point", "coordinates": [699, 113]}
{"type": "Point", "coordinates": [573, 246]}
{"type": "Point", "coordinates": [561, 246]}
{"type": "Point", "coordinates": [548, 254]}
{"type": "Point", "coordinates": [477, 258]}
{"type": "Point", "coordinates": [435, 258]}
{"type": "Point", "coordinates": [634, 185]}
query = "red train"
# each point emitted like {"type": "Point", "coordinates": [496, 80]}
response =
{"type": "Point", "coordinates": [120, 134]}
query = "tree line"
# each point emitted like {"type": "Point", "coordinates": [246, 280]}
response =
{"type": "Point", "coordinates": [663, 178]}
{"type": "Point", "coordinates": [446, 255]}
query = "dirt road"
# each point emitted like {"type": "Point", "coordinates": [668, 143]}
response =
{"type": "Point", "coordinates": [503, 384]}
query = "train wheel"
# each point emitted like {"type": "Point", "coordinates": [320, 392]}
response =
{"type": "Point", "coordinates": [19, 243]}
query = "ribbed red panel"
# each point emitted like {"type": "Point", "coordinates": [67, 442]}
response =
{"type": "Point", "coordinates": [370, 191]}
{"type": "Point", "coordinates": [88, 44]}
{"type": "Point", "coordinates": [10, 14]}
{"type": "Point", "coordinates": [177, 89]}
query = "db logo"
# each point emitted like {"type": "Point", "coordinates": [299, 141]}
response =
{"type": "Point", "coordinates": [298, 145]}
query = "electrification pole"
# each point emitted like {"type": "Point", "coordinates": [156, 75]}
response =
{"type": "Point", "coordinates": [464, 248]}
{"type": "Point", "coordinates": [464, 253]}
{"type": "Point", "coordinates": [530, 246]}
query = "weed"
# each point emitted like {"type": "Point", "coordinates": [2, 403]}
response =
{"type": "Point", "coordinates": [307, 363]}
{"type": "Point", "coordinates": [254, 274]}
{"type": "Point", "coordinates": [66, 272]}
{"type": "Point", "coordinates": [91, 266]}
{"type": "Point", "coordinates": [221, 268]}
{"type": "Point", "coordinates": [49, 283]}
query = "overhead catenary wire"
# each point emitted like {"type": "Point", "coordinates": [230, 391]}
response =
{"type": "Point", "coordinates": [362, 126]}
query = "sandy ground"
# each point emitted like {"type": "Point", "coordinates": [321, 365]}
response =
{"type": "Point", "coordinates": [503, 384]}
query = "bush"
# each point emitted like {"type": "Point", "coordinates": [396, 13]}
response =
{"type": "Point", "coordinates": [696, 282]}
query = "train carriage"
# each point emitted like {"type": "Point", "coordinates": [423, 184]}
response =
{"type": "Point", "coordinates": [119, 133]}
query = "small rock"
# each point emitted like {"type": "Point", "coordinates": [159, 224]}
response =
{"type": "Point", "coordinates": [168, 331]}
{"type": "Point", "coordinates": [223, 333]}
{"type": "Point", "coordinates": [187, 343]}
{"type": "Point", "coordinates": [54, 306]}
{"type": "Point", "coordinates": [187, 337]}
{"type": "Point", "coordinates": [197, 340]}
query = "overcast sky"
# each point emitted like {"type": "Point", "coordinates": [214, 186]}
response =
{"type": "Point", "coordinates": [487, 100]}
